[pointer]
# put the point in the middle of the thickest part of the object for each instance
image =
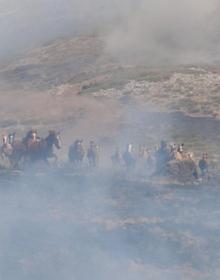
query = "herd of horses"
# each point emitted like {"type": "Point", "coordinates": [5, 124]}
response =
{"type": "Point", "coordinates": [162, 159]}
{"type": "Point", "coordinates": [29, 149]}
{"type": "Point", "coordinates": [32, 148]}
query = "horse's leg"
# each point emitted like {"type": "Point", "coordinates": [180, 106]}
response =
{"type": "Point", "coordinates": [2, 154]}
{"type": "Point", "coordinates": [46, 161]}
{"type": "Point", "coordinates": [53, 156]}
{"type": "Point", "coordinates": [15, 159]}
{"type": "Point", "coordinates": [22, 161]}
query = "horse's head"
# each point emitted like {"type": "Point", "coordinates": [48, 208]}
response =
{"type": "Point", "coordinates": [32, 134]}
{"type": "Point", "coordinates": [78, 143]}
{"type": "Point", "coordinates": [129, 148]}
{"type": "Point", "coordinates": [172, 147]}
{"type": "Point", "coordinates": [180, 148]}
{"type": "Point", "coordinates": [11, 138]}
{"type": "Point", "coordinates": [4, 139]}
{"type": "Point", "coordinates": [55, 138]}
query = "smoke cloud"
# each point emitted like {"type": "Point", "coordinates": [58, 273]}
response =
{"type": "Point", "coordinates": [169, 31]}
{"type": "Point", "coordinates": [26, 24]}
{"type": "Point", "coordinates": [97, 227]}
{"type": "Point", "coordinates": [77, 224]}
{"type": "Point", "coordinates": [147, 31]}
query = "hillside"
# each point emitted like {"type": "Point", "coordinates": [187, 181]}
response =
{"type": "Point", "coordinates": [82, 65]}
{"type": "Point", "coordinates": [69, 84]}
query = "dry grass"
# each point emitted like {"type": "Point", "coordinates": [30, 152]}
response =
{"type": "Point", "coordinates": [73, 85]}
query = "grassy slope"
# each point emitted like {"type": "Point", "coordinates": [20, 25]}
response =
{"type": "Point", "coordinates": [69, 84]}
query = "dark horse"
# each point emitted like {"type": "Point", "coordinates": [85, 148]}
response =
{"type": "Point", "coordinates": [34, 149]}
{"type": "Point", "coordinates": [77, 152]}
{"type": "Point", "coordinates": [93, 154]}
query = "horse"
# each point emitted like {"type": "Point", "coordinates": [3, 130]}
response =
{"type": "Point", "coordinates": [203, 164]}
{"type": "Point", "coordinates": [129, 158]}
{"type": "Point", "coordinates": [6, 149]}
{"type": "Point", "coordinates": [76, 152]}
{"type": "Point", "coordinates": [31, 135]}
{"type": "Point", "coordinates": [177, 153]}
{"type": "Point", "coordinates": [145, 155]}
{"type": "Point", "coordinates": [93, 154]}
{"type": "Point", "coordinates": [183, 170]}
{"type": "Point", "coordinates": [18, 152]}
{"type": "Point", "coordinates": [19, 147]}
{"type": "Point", "coordinates": [116, 157]}
{"type": "Point", "coordinates": [180, 154]}
{"type": "Point", "coordinates": [162, 157]}
{"type": "Point", "coordinates": [42, 149]}
{"type": "Point", "coordinates": [5, 152]}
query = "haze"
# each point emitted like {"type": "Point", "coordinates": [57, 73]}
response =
{"type": "Point", "coordinates": [168, 29]}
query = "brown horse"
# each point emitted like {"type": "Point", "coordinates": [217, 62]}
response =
{"type": "Point", "coordinates": [19, 150]}
{"type": "Point", "coordinates": [77, 152]}
{"type": "Point", "coordinates": [42, 149]}
{"type": "Point", "coordinates": [33, 148]}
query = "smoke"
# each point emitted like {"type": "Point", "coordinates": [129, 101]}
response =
{"type": "Point", "coordinates": [90, 226]}
{"type": "Point", "coordinates": [26, 24]}
{"type": "Point", "coordinates": [168, 32]}
{"type": "Point", "coordinates": [93, 226]}
{"type": "Point", "coordinates": [147, 31]}
{"type": "Point", "coordinates": [81, 224]}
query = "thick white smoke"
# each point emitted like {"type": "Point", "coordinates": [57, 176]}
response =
{"type": "Point", "coordinates": [169, 31]}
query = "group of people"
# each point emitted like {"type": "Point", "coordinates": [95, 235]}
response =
{"type": "Point", "coordinates": [33, 147]}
